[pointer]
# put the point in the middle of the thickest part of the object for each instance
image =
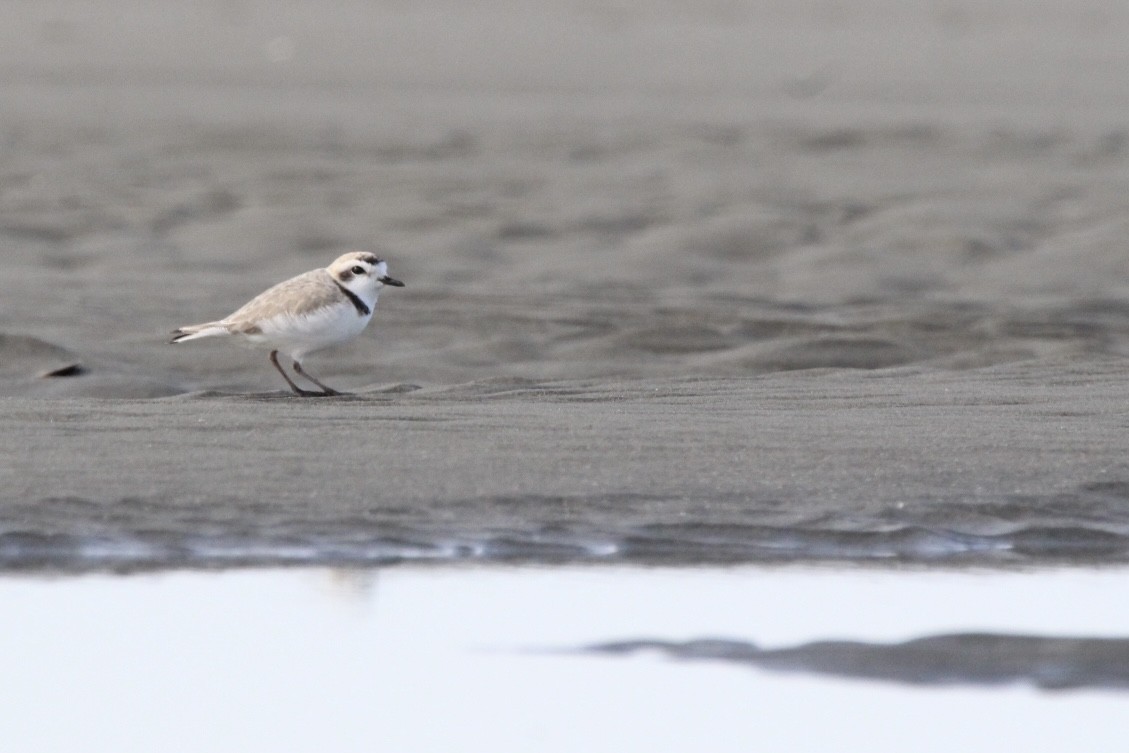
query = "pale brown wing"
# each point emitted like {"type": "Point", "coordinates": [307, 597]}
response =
{"type": "Point", "coordinates": [296, 296]}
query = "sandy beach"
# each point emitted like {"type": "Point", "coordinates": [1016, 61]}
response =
{"type": "Point", "coordinates": [745, 282]}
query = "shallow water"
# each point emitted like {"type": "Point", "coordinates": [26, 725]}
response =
{"type": "Point", "coordinates": [499, 659]}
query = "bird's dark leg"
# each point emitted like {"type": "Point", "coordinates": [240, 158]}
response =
{"type": "Point", "coordinates": [298, 390]}
{"type": "Point", "coordinates": [328, 390]}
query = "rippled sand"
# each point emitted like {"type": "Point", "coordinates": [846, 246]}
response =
{"type": "Point", "coordinates": [741, 282]}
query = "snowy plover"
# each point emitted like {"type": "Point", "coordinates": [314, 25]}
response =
{"type": "Point", "coordinates": [306, 313]}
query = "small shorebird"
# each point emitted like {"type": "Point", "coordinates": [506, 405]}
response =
{"type": "Point", "coordinates": [305, 314]}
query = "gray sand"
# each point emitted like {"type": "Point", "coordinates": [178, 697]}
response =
{"type": "Point", "coordinates": [737, 282]}
{"type": "Point", "coordinates": [1011, 464]}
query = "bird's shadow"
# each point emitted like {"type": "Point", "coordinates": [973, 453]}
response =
{"type": "Point", "coordinates": [275, 396]}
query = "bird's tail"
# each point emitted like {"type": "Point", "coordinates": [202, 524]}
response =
{"type": "Point", "coordinates": [196, 331]}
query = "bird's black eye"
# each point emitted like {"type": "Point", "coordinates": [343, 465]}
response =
{"type": "Point", "coordinates": [358, 270]}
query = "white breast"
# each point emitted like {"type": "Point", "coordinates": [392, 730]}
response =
{"type": "Point", "coordinates": [300, 334]}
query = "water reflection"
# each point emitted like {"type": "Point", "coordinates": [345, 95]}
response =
{"type": "Point", "coordinates": [972, 659]}
{"type": "Point", "coordinates": [472, 659]}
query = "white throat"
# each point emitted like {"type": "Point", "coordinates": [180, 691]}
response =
{"type": "Point", "coordinates": [365, 288]}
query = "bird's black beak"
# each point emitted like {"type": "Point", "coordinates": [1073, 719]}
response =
{"type": "Point", "coordinates": [391, 281]}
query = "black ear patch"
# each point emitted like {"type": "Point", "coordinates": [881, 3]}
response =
{"type": "Point", "coordinates": [345, 275]}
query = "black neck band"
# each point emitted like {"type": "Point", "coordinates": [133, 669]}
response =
{"type": "Point", "coordinates": [362, 309]}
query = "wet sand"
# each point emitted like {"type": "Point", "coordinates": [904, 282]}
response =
{"type": "Point", "coordinates": [1011, 464]}
{"type": "Point", "coordinates": [736, 284]}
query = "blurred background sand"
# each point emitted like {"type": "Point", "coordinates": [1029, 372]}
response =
{"type": "Point", "coordinates": [571, 189]}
